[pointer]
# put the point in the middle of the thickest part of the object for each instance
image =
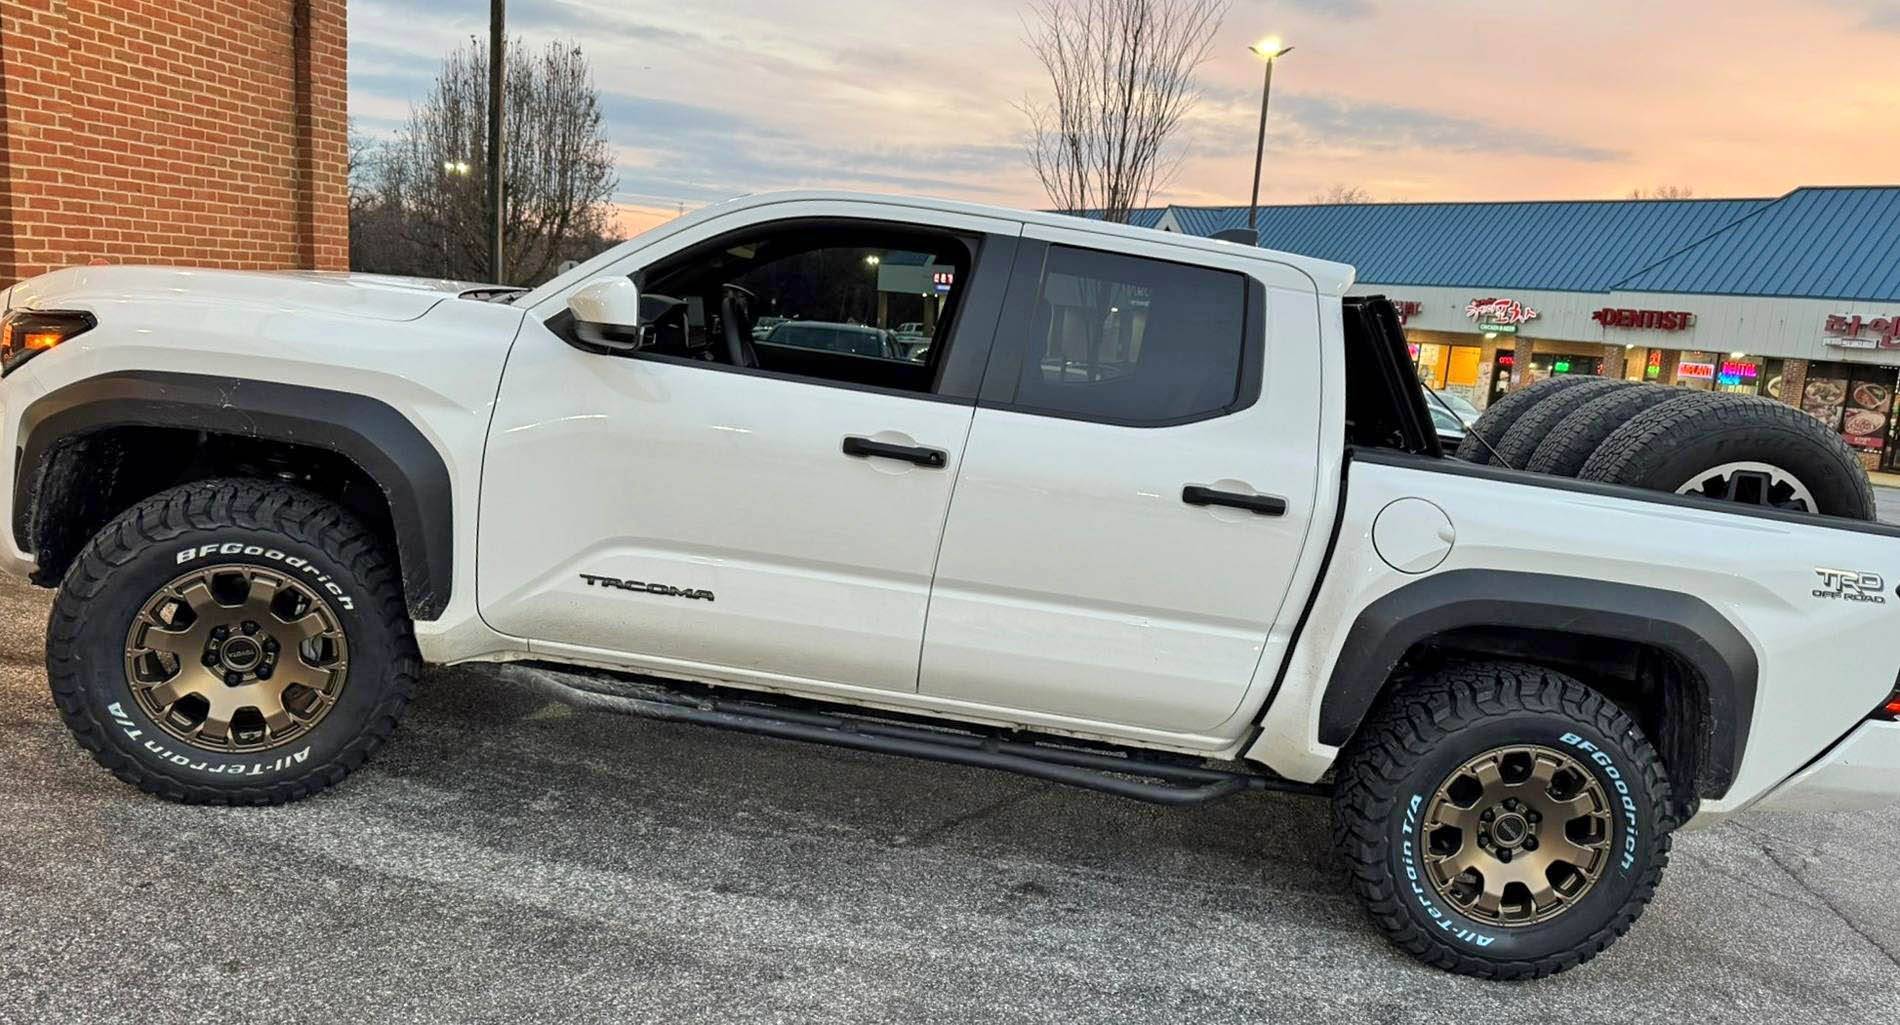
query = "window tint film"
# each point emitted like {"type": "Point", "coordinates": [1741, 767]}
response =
{"type": "Point", "coordinates": [1124, 339]}
{"type": "Point", "coordinates": [853, 300]}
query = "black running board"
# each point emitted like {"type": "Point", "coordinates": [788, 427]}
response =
{"type": "Point", "coordinates": [1157, 782]}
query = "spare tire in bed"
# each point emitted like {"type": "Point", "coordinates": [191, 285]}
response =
{"type": "Point", "coordinates": [1499, 416]}
{"type": "Point", "coordinates": [1521, 441]}
{"type": "Point", "coordinates": [1741, 448]}
{"type": "Point", "coordinates": [1568, 445]}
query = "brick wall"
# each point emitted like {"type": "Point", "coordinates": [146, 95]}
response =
{"type": "Point", "coordinates": [208, 132]}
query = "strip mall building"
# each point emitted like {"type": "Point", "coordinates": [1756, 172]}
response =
{"type": "Point", "coordinates": [1795, 298]}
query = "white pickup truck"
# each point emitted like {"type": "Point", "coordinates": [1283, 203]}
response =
{"type": "Point", "coordinates": [1156, 515]}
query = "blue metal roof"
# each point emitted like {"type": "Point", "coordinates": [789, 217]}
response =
{"type": "Point", "coordinates": [1813, 243]}
{"type": "Point", "coordinates": [1568, 246]}
{"type": "Point", "coordinates": [1141, 217]}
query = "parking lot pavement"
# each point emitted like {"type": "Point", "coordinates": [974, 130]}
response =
{"type": "Point", "coordinates": [507, 860]}
{"type": "Point", "coordinates": [1887, 504]}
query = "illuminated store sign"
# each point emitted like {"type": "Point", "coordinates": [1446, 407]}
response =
{"type": "Point", "coordinates": [1857, 333]}
{"type": "Point", "coordinates": [1508, 312]}
{"type": "Point", "coordinates": [1645, 320]}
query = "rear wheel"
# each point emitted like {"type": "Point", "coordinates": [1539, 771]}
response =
{"type": "Point", "coordinates": [231, 641]}
{"type": "Point", "coordinates": [1502, 820]}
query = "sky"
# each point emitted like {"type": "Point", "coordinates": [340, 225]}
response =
{"type": "Point", "coordinates": [1406, 99]}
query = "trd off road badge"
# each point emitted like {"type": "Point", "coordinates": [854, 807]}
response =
{"type": "Point", "coordinates": [1848, 585]}
{"type": "Point", "coordinates": [666, 590]}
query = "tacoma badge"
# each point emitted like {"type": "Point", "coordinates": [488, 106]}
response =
{"type": "Point", "coordinates": [640, 585]}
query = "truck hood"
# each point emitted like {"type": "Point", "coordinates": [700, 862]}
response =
{"type": "Point", "coordinates": [370, 296]}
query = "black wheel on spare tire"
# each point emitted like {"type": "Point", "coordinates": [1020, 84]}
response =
{"type": "Point", "coordinates": [1498, 417]}
{"type": "Point", "coordinates": [1740, 448]}
{"type": "Point", "coordinates": [1567, 446]}
{"type": "Point", "coordinates": [1521, 441]}
{"type": "Point", "coordinates": [231, 642]}
{"type": "Point", "coordinates": [1502, 820]}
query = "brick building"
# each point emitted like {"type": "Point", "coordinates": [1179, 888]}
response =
{"type": "Point", "coordinates": [206, 132]}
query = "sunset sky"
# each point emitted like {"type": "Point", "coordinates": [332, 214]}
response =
{"type": "Point", "coordinates": [1408, 99]}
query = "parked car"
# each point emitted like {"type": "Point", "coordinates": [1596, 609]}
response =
{"type": "Point", "coordinates": [1461, 407]}
{"type": "Point", "coordinates": [1229, 556]}
{"type": "Point", "coordinates": [764, 325]}
{"type": "Point", "coordinates": [854, 339]}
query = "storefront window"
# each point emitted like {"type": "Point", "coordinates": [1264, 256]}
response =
{"type": "Point", "coordinates": [1738, 373]}
{"type": "Point", "coordinates": [1696, 370]}
{"type": "Point", "coordinates": [1543, 365]}
{"type": "Point", "coordinates": [1446, 366]}
{"type": "Point", "coordinates": [1858, 402]}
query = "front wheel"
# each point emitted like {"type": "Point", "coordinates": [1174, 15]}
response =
{"type": "Point", "coordinates": [1502, 820]}
{"type": "Point", "coordinates": [231, 641]}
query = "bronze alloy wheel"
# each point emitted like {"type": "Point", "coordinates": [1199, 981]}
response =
{"type": "Point", "coordinates": [236, 658]}
{"type": "Point", "coordinates": [1517, 835]}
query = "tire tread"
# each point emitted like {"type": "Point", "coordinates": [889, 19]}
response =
{"type": "Point", "coordinates": [207, 506]}
{"type": "Point", "coordinates": [1407, 728]}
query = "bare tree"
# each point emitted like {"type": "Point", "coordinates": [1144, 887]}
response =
{"type": "Point", "coordinates": [1664, 192]}
{"type": "Point", "coordinates": [1340, 192]}
{"type": "Point", "coordinates": [425, 207]}
{"type": "Point", "coordinates": [1122, 77]}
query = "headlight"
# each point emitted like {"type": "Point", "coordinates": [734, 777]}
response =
{"type": "Point", "coordinates": [25, 334]}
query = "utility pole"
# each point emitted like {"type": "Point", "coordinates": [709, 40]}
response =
{"type": "Point", "coordinates": [497, 78]}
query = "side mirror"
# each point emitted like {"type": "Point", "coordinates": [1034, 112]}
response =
{"type": "Point", "coordinates": [607, 313]}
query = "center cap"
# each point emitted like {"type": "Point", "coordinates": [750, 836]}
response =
{"type": "Point", "coordinates": [1510, 829]}
{"type": "Point", "coordinates": [241, 654]}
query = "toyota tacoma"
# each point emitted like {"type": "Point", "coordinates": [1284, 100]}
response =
{"type": "Point", "coordinates": [1155, 515]}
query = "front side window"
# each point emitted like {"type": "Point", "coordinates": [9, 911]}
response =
{"type": "Point", "coordinates": [1124, 339]}
{"type": "Point", "coordinates": [852, 304]}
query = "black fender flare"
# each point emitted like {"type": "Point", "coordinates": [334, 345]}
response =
{"type": "Point", "coordinates": [381, 441]}
{"type": "Point", "coordinates": [1681, 624]}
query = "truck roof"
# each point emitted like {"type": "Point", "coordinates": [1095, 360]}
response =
{"type": "Point", "coordinates": [1328, 277]}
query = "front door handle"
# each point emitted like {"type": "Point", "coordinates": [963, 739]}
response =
{"type": "Point", "coordinates": [1265, 505]}
{"type": "Point", "coordinates": [864, 448]}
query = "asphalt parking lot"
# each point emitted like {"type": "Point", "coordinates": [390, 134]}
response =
{"type": "Point", "coordinates": [507, 860]}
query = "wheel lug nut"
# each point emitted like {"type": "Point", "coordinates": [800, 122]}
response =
{"type": "Point", "coordinates": [1530, 843]}
{"type": "Point", "coordinates": [211, 659]}
{"type": "Point", "coordinates": [248, 627]}
{"type": "Point", "coordinates": [1486, 816]}
{"type": "Point", "coordinates": [233, 679]}
{"type": "Point", "coordinates": [1504, 855]}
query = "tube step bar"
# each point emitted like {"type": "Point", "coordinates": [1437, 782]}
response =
{"type": "Point", "coordinates": [1153, 781]}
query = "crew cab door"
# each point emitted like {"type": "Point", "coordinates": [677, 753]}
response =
{"type": "Point", "coordinates": [676, 511]}
{"type": "Point", "coordinates": [1137, 488]}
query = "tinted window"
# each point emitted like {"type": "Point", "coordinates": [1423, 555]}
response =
{"type": "Point", "coordinates": [816, 300]}
{"type": "Point", "coordinates": [1129, 340]}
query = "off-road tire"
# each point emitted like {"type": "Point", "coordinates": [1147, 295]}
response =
{"type": "Point", "coordinates": [1567, 446]}
{"type": "Point", "coordinates": [1530, 430]}
{"type": "Point", "coordinates": [1669, 444]}
{"type": "Point", "coordinates": [1419, 736]}
{"type": "Point", "coordinates": [270, 525]}
{"type": "Point", "coordinates": [1498, 417]}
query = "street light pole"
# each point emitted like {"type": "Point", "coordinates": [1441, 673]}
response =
{"type": "Point", "coordinates": [1269, 50]}
{"type": "Point", "coordinates": [497, 77]}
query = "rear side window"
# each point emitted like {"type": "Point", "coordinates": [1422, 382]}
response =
{"type": "Point", "coordinates": [1127, 340]}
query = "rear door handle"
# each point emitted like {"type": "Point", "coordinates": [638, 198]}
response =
{"type": "Point", "coordinates": [1265, 505]}
{"type": "Point", "coordinates": [864, 448]}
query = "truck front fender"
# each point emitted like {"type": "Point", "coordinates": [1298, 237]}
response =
{"type": "Point", "coordinates": [373, 435]}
